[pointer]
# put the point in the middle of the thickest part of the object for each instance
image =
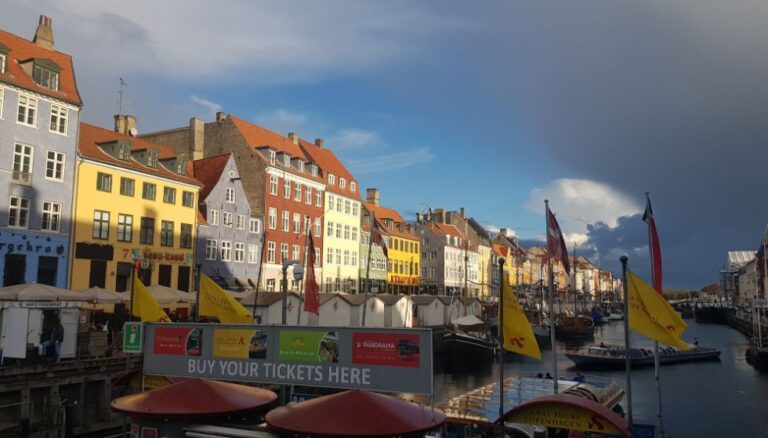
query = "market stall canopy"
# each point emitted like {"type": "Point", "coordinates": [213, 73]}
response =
{"type": "Point", "coordinates": [364, 414]}
{"type": "Point", "coordinates": [40, 292]}
{"type": "Point", "coordinates": [101, 295]}
{"type": "Point", "coordinates": [195, 397]}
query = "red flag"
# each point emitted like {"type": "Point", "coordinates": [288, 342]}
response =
{"type": "Point", "coordinates": [377, 238]}
{"type": "Point", "coordinates": [556, 242]}
{"type": "Point", "coordinates": [655, 246]}
{"type": "Point", "coordinates": [311, 290]}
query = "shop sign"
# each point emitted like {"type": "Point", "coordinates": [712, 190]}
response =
{"type": "Point", "coordinates": [132, 337]}
{"type": "Point", "coordinates": [397, 279]}
{"type": "Point", "coordinates": [390, 360]}
{"type": "Point", "coordinates": [153, 255]}
{"type": "Point", "coordinates": [562, 416]}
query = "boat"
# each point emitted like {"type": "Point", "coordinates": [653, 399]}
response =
{"type": "Point", "coordinates": [542, 335]}
{"type": "Point", "coordinates": [574, 327]}
{"type": "Point", "coordinates": [614, 357]}
{"type": "Point", "coordinates": [468, 342]}
{"type": "Point", "coordinates": [598, 317]}
{"type": "Point", "coordinates": [616, 316]}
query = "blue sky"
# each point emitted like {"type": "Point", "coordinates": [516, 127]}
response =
{"type": "Point", "coordinates": [490, 106]}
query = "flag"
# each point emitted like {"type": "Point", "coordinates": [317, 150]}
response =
{"type": "Point", "coordinates": [655, 246]}
{"type": "Point", "coordinates": [144, 305]}
{"type": "Point", "coordinates": [218, 303]}
{"type": "Point", "coordinates": [517, 332]}
{"type": "Point", "coordinates": [651, 315]}
{"type": "Point", "coordinates": [556, 242]}
{"type": "Point", "coordinates": [311, 290]}
{"type": "Point", "coordinates": [377, 238]}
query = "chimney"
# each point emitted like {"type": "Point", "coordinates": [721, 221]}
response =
{"type": "Point", "coordinates": [418, 218]}
{"type": "Point", "coordinates": [125, 124]}
{"type": "Point", "coordinates": [196, 138]}
{"type": "Point", "coordinates": [294, 137]}
{"type": "Point", "coordinates": [503, 232]}
{"type": "Point", "coordinates": [44, 33]}
{"type": "Point", "coordinates": [461, 211]}
{"type": "Point", "coordinates": [440, 215]}
{"type": "Point", "coordinates": [319, 142]}
{"type": "Point", "coordinates": [373, 196]}
{"type": "Point", "coordinates": [220, 116]}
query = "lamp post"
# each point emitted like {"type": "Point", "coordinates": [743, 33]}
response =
{"type": "Point", "coordinates": [137, 264]}
{"type": "Point", "coordinates": [298, 274]}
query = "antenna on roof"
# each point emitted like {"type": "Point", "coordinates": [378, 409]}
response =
{"type": "Point", "coordinates": [121, 97]}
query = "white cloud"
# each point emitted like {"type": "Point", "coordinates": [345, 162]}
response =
{"type": "Point", "coordinates": [395, 161]}
{"type": "Point", "coordinates": [210, 107]}
{"type": "Point", "coordinates": [579, 202]}
{"type": "Point", "coordinates": [353, 138]}
{"type": "Point", "coordinates": [494, 229]}
{"type": "Point", "coordinates": [283, 121]}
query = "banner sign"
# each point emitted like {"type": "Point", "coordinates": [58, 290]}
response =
{"type": "Point", "coordinates": [132, 337]}
{"type": "Point", "coordinates": [390, 360]}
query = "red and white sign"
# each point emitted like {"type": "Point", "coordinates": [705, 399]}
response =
{"type": "Point", "coordinates": [177, 341]}
{"type": "Point", "coordinates": [385, 349]}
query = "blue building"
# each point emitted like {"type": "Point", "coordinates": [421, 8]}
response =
{"type": "Point", "coordinates": [39, 118]}
{"type": "Point", "coordinates": [229, 235]}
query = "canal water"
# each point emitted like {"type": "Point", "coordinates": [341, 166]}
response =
{"type": "Point", "coordinates": [701, 399]}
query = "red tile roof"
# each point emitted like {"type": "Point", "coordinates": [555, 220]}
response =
{"type": "Point", "coordinates": [329, 163]}
{"type": "Point", "coordinates": [448, 229]}
{"type": "Point", "coordinates": [208, 171]}
{"type": "Point", "coordinates": [383, 212]}
{"type": "Point", "coordinates": [91, 135]}
{"type": "Point", "coordinates": [23, 50]}
{"type": "Point", "coordinates": [500, 250]}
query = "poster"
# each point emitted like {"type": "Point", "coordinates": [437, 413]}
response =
{"type": "Point", "coordinates": [309, 346]}
{"type": "Point", "coordinates": [385, 349]}
{"type": "Point", "coordinates": [178, 341]}
{"type": "Point", "coordinates": [132, 337]}
{"type": "Point", "coordinates": [240, 343]}
{"type": "Point", "coordinates": [148, 432]}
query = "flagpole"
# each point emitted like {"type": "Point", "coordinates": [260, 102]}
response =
{"type": "Point", "coordinates": [303, 280]}
{"type": "Point", "coordinates": [627, 357]}
{"type": "Point", "coordinates": [261, 269]}
{"type": "Point", "coordinates": [656, 365]}
{"type": "Point", "coordinates": [551, 298]}
{"type": "Point", "coordinates": [368, 270]}
{"type": "Point", "coordinates": [500, 335]}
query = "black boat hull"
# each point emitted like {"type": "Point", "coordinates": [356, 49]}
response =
{"type": "Point", "coordinates": [618, 362]}
{"type": "Point", "coordinates": [468, 350]}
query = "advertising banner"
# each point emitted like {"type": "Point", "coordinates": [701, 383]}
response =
{"type": "Point", "coordinates": [390, 360]}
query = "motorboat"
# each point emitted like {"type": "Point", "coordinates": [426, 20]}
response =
{"type": "Point", "coordinates": [469, 341]}
{"type": "Point", "coordinates": [574, 327]}
{"type": "Point", "coordinates": [614, 356]}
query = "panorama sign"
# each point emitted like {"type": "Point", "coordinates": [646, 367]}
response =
{"type": "Point", "coordinates": [390, 360]}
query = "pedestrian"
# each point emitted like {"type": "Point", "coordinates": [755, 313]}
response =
{"type": "Point", "coordinates": [55, 339]}
{"type": "Point", "coordinates": [696, 341]}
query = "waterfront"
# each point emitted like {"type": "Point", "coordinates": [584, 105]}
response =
{"type": "Point", "coordinates": [706, 399]}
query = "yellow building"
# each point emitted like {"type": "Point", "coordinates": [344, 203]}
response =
{"type": "Point", "coordinates": [133, 204]}
{"type": "Point", "coordinates": [403, 246]}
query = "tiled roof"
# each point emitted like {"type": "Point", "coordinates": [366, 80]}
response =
{"type": "Point", "coordinates": [329, 163]}
{"type": "Point", "coordinates": [383, 212]}
{"type": "Point", "coordinates": [256, 136]}
{"type": "Point", "coordinates": [500, 250]}
{"type": "Point", "coordinates": [91, 135]}
{"type": "Point", "coordinates": [23, 50]}
{"type": "Point", "coordinates": [208, 171]}
{"type": "Point", "coordinates": [448, 229]}
{"type": "Point", "coordinates": [711, 288]}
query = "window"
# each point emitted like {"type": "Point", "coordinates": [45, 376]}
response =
{"type": "Point", "coordinates": [253, 253]}
{"type": "Point", "coordinates": [213, 216]}
{"type": "Point", "coordinates": [295, 252]}
{"type": "Point", "coordinates": [338, 231]}
{"type": "Point", "coordinates": [272, 185]}
{"type": "Point", "coordinates": [301, 166]}
{"type": "Point", "coordinates": [319, 198]}
{"type": "Point", "coordinates": [354, 233]}
{"type": "Point", "coordinates": [318, 228]}
{"type": "Point", "coordinates": [346, 256]}
{"type": "Point", "coordinates": [355, 207]}
{"type": "Point", "coordinates": [101, 224]}
{"type": "Point", "coordinates": [342, 183]}
{"type": "Point", "coordinates": [230, 195]}
{"type": "Point", "coordinates": [353, 262]}
{"type": "Point", "coordinates": [287, 189]}
{"type": "Point", "coordinates": [226, 251]}
{"type": "Point", "coordinates": [103, 182]}
{"type": "Point", "coordinates": [331, 179]}
{"type": "Point", "coordinates": [124, 228]}
{"type": "Point", "coordinates": [347, 206]}
{"type": "Point", "coordinates": [54, 166]}
{"type": "Point", "coordinates": [272, 218]}
{"type": "Point", "coordinates": [330, 202]}
{"type": "Point", "coordinates": [329, 256]}
{"type": "Point", "coordinates": [283, 252]}
{"type": "Point", "coordinates": [338, 205]}
{"type": "Point", "coordinates": [253, 225]}
{"type": "Point", "coordinates": [228, 219]}
{"type": "Point", "coordinates": [271, 285]}
{"type": "Point", "coordinates": [239, 252]}
{"type": "Point", "coordinates": [127, 186]}
{"type": "Point", "coordinates": [211, 248]}
{"type": "Point", "coordinates": [151, 158]}
{"type": "Point", "coordinates": [286, 160]}
{"type": "Point", "coordinates": [308, 195]}
{"type": "Point", "coordinates": [59, 118]}
{"type": "Point", "coordinates": [2, 63]}
{"type": "Point", "coordinates": [22, 163]}
{"type": "Point", "coordinates": [330, 229]}
{"type": "Point", "coordinates": [187, 199]}
{"type": "Point", "coordinates": [286, 221]}
{"type": "Point", "coordinates": [338, 256]}
{"type": "Point", "coordinates": [272, 156]}
{"type": "Point", "coordinates": [185, 237]}
{"type": "Point", "coordinates": [147, 231]}
{"type": "Point", "coordinates": [353, 186]}
{"type": "Point", "coordinates": [169, 195]}
{"type": "Point", "coordinates": [314, 170]}
{"type": "Point", "coordinates": [51, 216]}
{"type": "Point", "coordinates": [240, 222]}
{"type": "Point", "coordinates": [27, 110]}
{"type": "Point", "coordinates": [296, 223]}
{"type": "Point", "coordinates": [148, 191]}
{"type": "Point", "coordinates": [297, 192]}
{"type": "Point", "coordinates": [45, 77]}
{"type": "Point", "coordinates": [166, 233]}
{"type": "Point", "coordinates": [346, 232]}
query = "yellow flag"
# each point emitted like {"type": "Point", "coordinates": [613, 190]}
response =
{"type": "Point", "coordinates": [518, 334]}
{"type": "Point", "coordinates": [216, 302]}
{"type": "Point", "coordinates": [651, 315]}
{"type": "Point", "coordinates": [144, 305]}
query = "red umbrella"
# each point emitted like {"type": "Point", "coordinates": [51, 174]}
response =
{"type": "Point", "coordinates": [195, 397]}
{"type": "Point", "coordinates": [355, 413]}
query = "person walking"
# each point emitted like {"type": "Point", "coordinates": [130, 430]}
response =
{"type": "Point", "coordinates": [56, 338]}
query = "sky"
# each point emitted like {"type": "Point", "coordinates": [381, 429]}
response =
{"type": "Point", "coordinates": [491, 106]}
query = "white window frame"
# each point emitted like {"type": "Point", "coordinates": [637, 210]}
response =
{"type": "Point", "coordinates": [211, 249]}
{"type": "Point", "coordinates": [253, 253]}
{"type": "Point", "coordinates": [295, 252]}
{"type": "Point", "coordinates": [301, 166]}
{"type": "Point", "coordinates": [226, 251]}
{"type": "Point", "coordinates": [346, 257]}
{"type": "Point", "coordinates": [59, 120]}
{"type": "Point", "coordinates": [272, 157]}
{"type": "Point", "coordinates": [283, 252]}
{"type": "Point", "coordinates": [272, 218]}
{"type": "Point", "coordinates": [240, 222]}
{"type": "Point", "coordinates": [227, 219]}
{"type": "Point", "coordinates": [338, 231]}
{"type": "Point", "coordinates": [53, 209]}
{"type": "Point", "coordinates": [27, 151]}
{"type": "Point", "coordinates": [253, 226]}
{"type": "Point", "coordinates": [347, 206]}
{"type": "Point", "coordinates": [296, 223]}
{"type": "Point", "coordinates": [353, 187]}
{"type": "Point", "coordinates": [287, 189]}
{"type": "Point", "coordinates": [330, 202]}
{"type": "Point", "coordinates": [338, 256]}
{"type": "Point", "coordinates": [308, 195]}
{"type": "Point", "coordinates": [329, 225]}
{"type": "Point", "coordinates": [314, 170]}
{"type": "Point", "coordinates": [346, 232]}
{"type": "Point", "coordinates": [286, 160]}
{"type": "Point", "coordinates": [286, 221]}
{"type": "Point", "coordinates": [30, 105]}
{"type": "Point", "coordinates": [214, 216]}
{"type": "Point", "coordinates": [353, 262]}
{"type": "Point", "coordinates": [355, 208]}
{"type": "Point", "coordinates": [239, 252]}
{"type": "Point", "coordinates": [329, 256]}
{"type": "Point", "coordinates": [342, 183]}
{"type": "Point", "coordinates": [273, 184]}
{"type": "Point", "coordinates": [230, 195]}
{"type": "Point", "coordinates": [354, 233]}
{"type": "Point", "coordinates": [124, 227]}
{"type": "Point", "coordinates": [270, 252]}
{"type": "Point", "coordinates": [331, 179]}
{"type": "Point", "coordinates": [318, 228]}
{"type": "Point", "coordinates": [56, 164]}
{"type": "Point", "coordinates": [297, 192]}
{"type": "Point", "coordinates": [319, 198]}
{"type": "Point", "coordinates": [3, 61]}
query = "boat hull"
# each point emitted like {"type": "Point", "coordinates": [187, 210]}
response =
{"type": "Point", "coordinates": [586, 361]}
{"type": "Point", "coordinates": [464, 349]}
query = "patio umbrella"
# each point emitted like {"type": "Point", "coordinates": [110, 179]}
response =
{"type": "Point", "coordinates": [167, 295]}
{"type": "Point", "coordinates": [41, 292]}
{"type": "Point", "coordinates": [101, 295]}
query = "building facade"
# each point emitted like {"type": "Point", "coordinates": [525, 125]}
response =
{"type": "Point", "coordinates": [134, 204]}
{"type": "Point", "coordinates": [39, 117]}
{"type": "Point", "coordinates": [443, 259]}
{"type": "Point", "coordinates": [375, 271]}
{"type": "Point", "coordinates": [229, 236]}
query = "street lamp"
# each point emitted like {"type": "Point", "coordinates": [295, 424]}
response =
{"type": "Point", "coordinates": [298, 275]}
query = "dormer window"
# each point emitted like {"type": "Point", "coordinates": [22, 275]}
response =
{"type": "Point", "coordinates": [286, 160]}
{"type": "Point", "coordinates": [151, 158]}
{"type": "Point", "coordinates": [123, 151]}
{"type": "Point", "coordinates": [353, 186]}
{"type": "Point", "coordinates": [331, 179]}
{"type": "Point", "coordinates": [314, 170]}
{"type": "Point", "coordinates": [2, 62]}
{"type": "Point", "coordinates": [342, 183]}
{"type": "Point", "coordinates": [45, 73]}
{"type": "Point", "coordinates": [301, 166]}
{"type": "Point", "coordinates": [272, 157]}
{"type": "Point", "coordinates": [181, 166]}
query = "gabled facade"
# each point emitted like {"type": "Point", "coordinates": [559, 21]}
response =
{"type": "Point", "coordinates": [229, 236]}
{"type": "Point", "coordinates": [39, 117]}
{"type": "Point", "coordinates": [134, 202]}
{"type": "Point", "coordinates": [375, 271]}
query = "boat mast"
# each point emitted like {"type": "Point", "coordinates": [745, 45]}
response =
{"type": "Point", "coordinates": [551, 299]}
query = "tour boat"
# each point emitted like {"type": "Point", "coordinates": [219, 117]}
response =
{"type": "Point", "coordinates": [469, 342]}
{"type": "Point", "coordinates": [573, 327]}
{"type": "Point", "coordinates": [614, 356]}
